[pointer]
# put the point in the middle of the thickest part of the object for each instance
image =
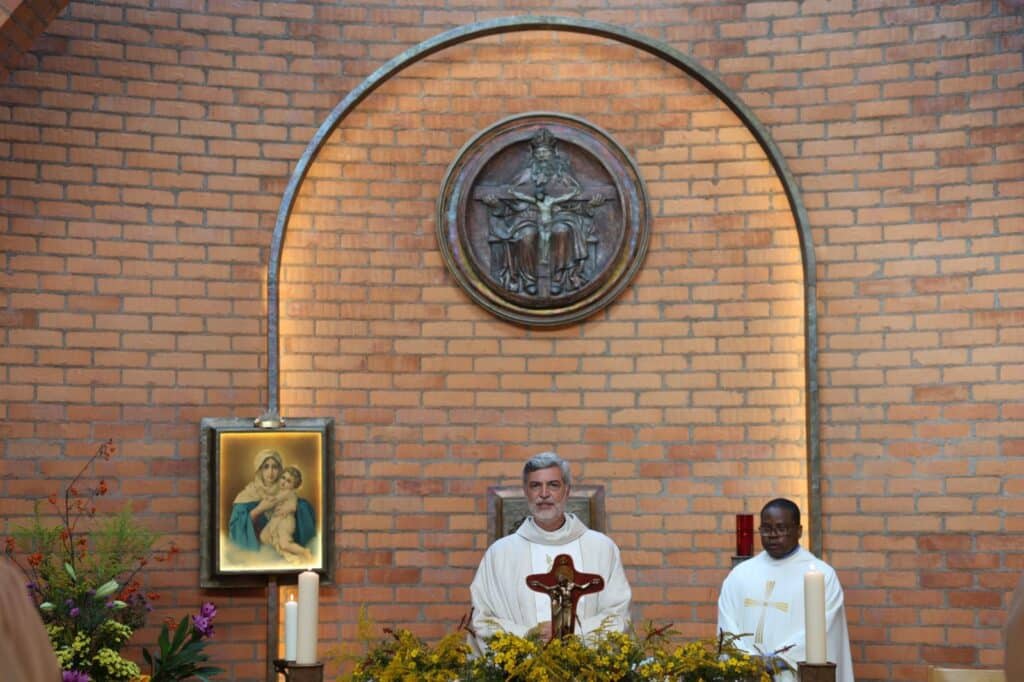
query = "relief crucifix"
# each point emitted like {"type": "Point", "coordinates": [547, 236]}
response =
{"type": "Point", "coordinates": [543, 219]}
{"type": "Point", "coordinates": [541, 226]}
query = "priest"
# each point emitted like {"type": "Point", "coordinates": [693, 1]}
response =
{"type": "Point", "coordinates": [762, 599]}
{"type": "Point", "coordinates": [502, 601]}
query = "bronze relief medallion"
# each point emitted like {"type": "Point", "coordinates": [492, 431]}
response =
{"type": "Point", "coordinates": [543, 219]}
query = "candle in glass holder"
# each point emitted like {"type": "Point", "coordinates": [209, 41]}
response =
{"type": "Point", "coordinates": [744, 535]}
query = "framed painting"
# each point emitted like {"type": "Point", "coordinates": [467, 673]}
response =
{"type": "Point", "coordinates": [507, 508]}
{"type": "Point", "coordinates": [266, 500]}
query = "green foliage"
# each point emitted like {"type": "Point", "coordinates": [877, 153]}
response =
{"type": "Point", "coordinates": [119, 544]}
{"type": "Point", "coordinates": [183, 657]}
{"type": "Point", "coordinates": [67, 560]}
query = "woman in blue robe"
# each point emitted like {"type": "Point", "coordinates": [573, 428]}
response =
{"type": "Point", "coordinates": [246, 523]}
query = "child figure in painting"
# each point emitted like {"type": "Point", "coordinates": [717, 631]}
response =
{"type": "Point", "coordinates": [279, 531]}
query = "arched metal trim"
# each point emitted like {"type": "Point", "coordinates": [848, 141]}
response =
{"type": "Point", "coordinates": [656, 48]}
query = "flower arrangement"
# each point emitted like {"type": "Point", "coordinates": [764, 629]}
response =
{"type": "Point", "coordinates": [604, 656]}
{"type": "Point", "coordinates": [622, 656]}
{"type": "Point", "coordinates": [82, 570]}
{"type": "Point", "coordinates": [402, 656]}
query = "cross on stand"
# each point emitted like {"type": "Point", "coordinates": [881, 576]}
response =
{"type": "Point", "coordinates": [564, 585]}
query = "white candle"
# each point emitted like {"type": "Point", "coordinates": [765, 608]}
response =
{"type": "Point", "coordinates": [814, 616]}
{"type": "Point", "coordinates": [307, 631]}
{"type": "Point", "coordinates": [291, 624]}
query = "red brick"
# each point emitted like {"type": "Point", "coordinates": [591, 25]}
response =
{"type": "Point", "coordinates": [139, 211]}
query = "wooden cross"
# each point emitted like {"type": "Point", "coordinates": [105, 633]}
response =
{"type": "Point", "coordinates": [764, 604]}
{"type": "Point", "coordinates": [564, 585]}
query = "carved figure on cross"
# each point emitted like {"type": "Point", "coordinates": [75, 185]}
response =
{"type": "Point", "coordinates": [769, 587]}
{"type": "Point", "coordinates": [564, 585]}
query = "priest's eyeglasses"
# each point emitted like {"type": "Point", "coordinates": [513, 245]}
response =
{"type": "Point", "coordinates": [774, 531]}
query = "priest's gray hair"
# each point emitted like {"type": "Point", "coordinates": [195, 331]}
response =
{"type": "Point", "coordinates": [545, 460]}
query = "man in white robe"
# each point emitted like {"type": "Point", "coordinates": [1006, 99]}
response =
{"type": "Point", "coordinates": [501, 599]}
{"type": "Point", "coordinates": [763, 598]}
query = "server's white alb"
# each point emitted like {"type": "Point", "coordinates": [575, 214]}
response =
{"type": "Point", "coordinates": [765, 597]}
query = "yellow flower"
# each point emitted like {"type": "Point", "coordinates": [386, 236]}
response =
{"type": "Point", "coordinates": [600, 657]}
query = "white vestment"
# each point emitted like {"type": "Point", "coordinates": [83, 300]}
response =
{"type": "Point", "coordinates": [763, 599]}
{"type": "Point", "coordinates": [503, 602]}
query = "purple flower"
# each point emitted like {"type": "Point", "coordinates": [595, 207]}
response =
{"type": "Point", "coordinates": [202, 625]}
{"type": "Point", "coordinates": [208, 610]}
{"type": "Point", "coordinates": [74, 676]}
{"type": "Point", "coordinates": [139, 602]}
{"type": "Point", "coordinates": [74, 612]}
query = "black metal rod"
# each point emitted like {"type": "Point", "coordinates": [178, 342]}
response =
{"type": "Point", "coordinates": [273, 622]}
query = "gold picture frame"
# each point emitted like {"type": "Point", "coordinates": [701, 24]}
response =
{"type": "Point", "coordinates": [254, 520]}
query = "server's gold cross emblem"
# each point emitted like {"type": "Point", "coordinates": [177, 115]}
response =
{"type": "Point", "coordinates": [764, 604]}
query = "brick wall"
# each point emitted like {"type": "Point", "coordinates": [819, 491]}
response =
{"type": "Point", "coordinates": [21, 25]}
{"type": "Point", "coordinates": [145, 150]}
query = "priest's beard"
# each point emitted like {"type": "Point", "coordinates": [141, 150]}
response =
{"type": "Point", "coordinates": [548, 514]}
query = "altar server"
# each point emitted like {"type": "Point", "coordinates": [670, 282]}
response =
{"type": "Point", "coordinates": [501, 599]}
{"type": "Point", "coordinates": [763, 598]}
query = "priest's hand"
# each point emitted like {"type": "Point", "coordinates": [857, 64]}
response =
{"type": "Point", "coordinates": [540, 630]}
{"type": "Point", "coordinates": [775, 664]}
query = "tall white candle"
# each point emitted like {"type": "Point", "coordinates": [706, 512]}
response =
{"type": "Point", "coordinates": [308, 607]}
{"type": "Point", "coordinates": [291, 625]}
{"type": "Point", "coordinates": [814, 616]}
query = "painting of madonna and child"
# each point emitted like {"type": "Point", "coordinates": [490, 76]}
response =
{"type": "Point", "coordinates": [270, 501]}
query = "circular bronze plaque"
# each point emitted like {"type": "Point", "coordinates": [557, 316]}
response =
{"type": "Point", "coordinates": [542, 219]}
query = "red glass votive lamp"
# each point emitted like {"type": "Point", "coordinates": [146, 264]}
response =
{"type": "Point", "coordinates": [744, 535]}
